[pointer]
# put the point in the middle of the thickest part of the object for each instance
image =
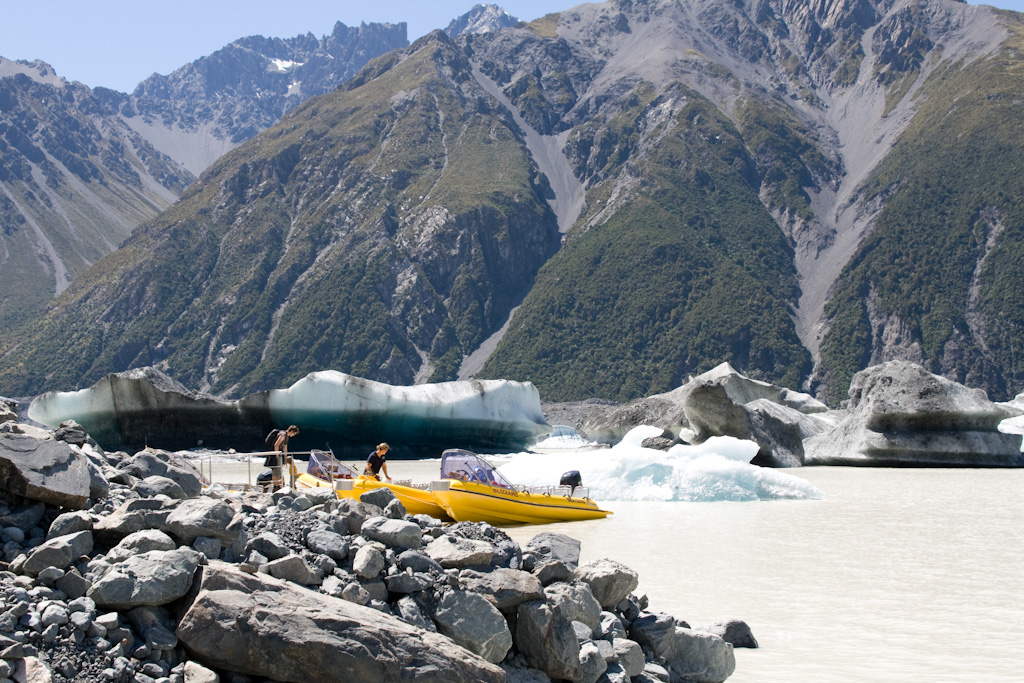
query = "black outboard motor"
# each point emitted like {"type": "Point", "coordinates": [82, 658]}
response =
{"type": "Point", "coordinates": [572, 479]}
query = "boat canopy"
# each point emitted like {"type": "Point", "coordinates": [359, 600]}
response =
{"type": "Point", "coordinates": [466, 466]}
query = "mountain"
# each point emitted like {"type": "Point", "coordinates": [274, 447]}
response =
{"type": "Point", "coordinates": [81, 168]}
{"type": "Point", "coordinates": [205, 108]}
{"type": "Point", "coordinates": [602, 201]}
{"type": "Point", "coordinates": [74, 182]}
{"type": "Point", "coordinates": [480, 19]}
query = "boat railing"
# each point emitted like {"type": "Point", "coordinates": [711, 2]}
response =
{"type": "Point", "coordinates": [563, 491]}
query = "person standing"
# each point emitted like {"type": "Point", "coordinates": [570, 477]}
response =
{"type": "Point", "coordinates": [281, 448]}
{"type": "Point", "coordinates": [377, 462]}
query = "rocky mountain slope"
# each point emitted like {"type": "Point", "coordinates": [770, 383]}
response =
{"type": "Point", "coordinates": [799, 189]}
{"type": "Point", "coordinates": [81, 168]}
{"type": "Point", "coordinates": [74, 182]}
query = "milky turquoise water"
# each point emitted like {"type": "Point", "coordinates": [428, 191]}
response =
{"type": "Point", "coordinates": [895, 575]}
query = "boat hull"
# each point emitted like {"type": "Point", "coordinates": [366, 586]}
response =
{"type": "Point", "coordinates": [472, 502]}
{"type": "Point", "coordinates": [416, 501]}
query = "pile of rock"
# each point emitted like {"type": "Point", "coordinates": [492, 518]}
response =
{"type": "Point", "coordinates": [126, 569]}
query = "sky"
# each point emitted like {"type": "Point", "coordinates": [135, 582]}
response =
{"type": "Point", "coordinates": [118, 43]}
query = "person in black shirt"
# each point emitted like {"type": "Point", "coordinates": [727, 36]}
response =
{"type": "Point", "coordinates": [283, 459]}
{"type": "Point", "coordinates": [377, 462]}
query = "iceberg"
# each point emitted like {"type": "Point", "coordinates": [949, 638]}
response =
{"type": "Point", "coordinates": [145, 407]}
{"type": "Point", "coordinates": [717, 470]}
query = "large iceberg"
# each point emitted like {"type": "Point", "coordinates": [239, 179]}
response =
{"type": "Point", "coordinates": [717, 470]}
{"type": "Point", "coordinates": [144, 407]}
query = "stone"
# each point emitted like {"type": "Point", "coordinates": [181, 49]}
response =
{"type": "Point", "coordinates": [352, 514]}
{"type": "Point", "coordinates": [132, 516]}
{"type": "Point", "coordinates": [504, 588]}
{"type": "Point", "coordinates": [153, 578]}
{"type": "Point", "coordinates": [547, 640]}
{"type": "Point", "coordinates": [393, 532]}
{"type": "Point", "coordinates": [733, 631]}
{"type": "Point", "coordinates": [197, 673]}
{"type": "Point", "coordinates": [73, 584]}
{"type": "Point", "coordinates": [269, 545]}
{"type": "Point", "coordinates": [610, 628]}
{"type": "Point", "coordinates": [378, 496]}
{"type": "Point", "coordinates": [140, 542]}
{"type": "Point", "coordinates": [71, 432]}
{"type": "Point", "coordinates": [629, 655]}
{"type": "Point", "coordinates": [208, 546]}
{"type": "Point", "coordinates": [256, 626]}
{"type": "Point", "coordinates": [203, 517]}
{"type": "Point", "coordinates": [655, 631]}
{"type": "Point", "coordinates": [575, 601]}
{"type": "Point", "coordinates": [328, 543]}
{"type": "Point", "coordinates": [292, 568]}
{"type": "Point", "coordinates": [700, 657]}
{"type": "Point", "coordinates": [51, 472]}
{"type": "Point", "coordinates": [592, 664]}
{"type": "Point", "coordinates": [69, 523]}
{"type": "Point", "coordinates": [155, 462]}
{"type": "Point", "coordinates": [353, 592]}
{"type": "Point", "coordinates": [23, 517]}
{"type": "Point", "coordinates": [474, 623]}
{"type": "Point", "coordinates": [418, 562]}
{"type": "Point", "coordinates": [552, 571]}
{"type": "Point", "coordinates": [899, 414]}
{"type": "Point", "coordinates": [368, 562]}
{"type": "Point", "coordinates": [453, 552]}
{"type": "Point", "coordinates": [610, 581]}
{"type": "Point", "coordinates": [395, 510]}
{"type": "Point", "coordinates": [155, 485]}
{"type": "Point", "coordinates": [59, 552]}
{"type": "Point", "coordinates": [408, 609]}
{"type": "Point", "coordinates": [407, 582]}
{"type": "Point", "coordinates": [550, 547]}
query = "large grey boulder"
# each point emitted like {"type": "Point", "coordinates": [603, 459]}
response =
{"type": "Point", "coordinates": [504, 588]}
{"type": "Point", "coordinates": [51, 472]}
{"type": "Point", "coordinates": [610, 581]}
{"type": "Point", "coordinates": [140, 542]}
{"type": "Point", "coordinates": [900, 414]}
{"type": "Point", "coordinates": [551, 547]}
{"type": "Point", "coordinates": [257, 626]}
{"type": "Point", "coordinates": [393, 532]}
{"type": "Point", "coordinates": [155, 485]}
{"type": "Point", "coordinates": [131, 516]}
{"type": "Point", "coordinates": [58, 552]}
{"type": "Point", "coordinates": [547, 640]}
{"type": "Point", "coordinates": [575, 601]}
{"type": "Point", "coordinates": [329, 543]}
{"type": "Point", "coordinates": [700, 657]}
{"type": "Point", "coordinates": [453, 552]}
{"type": "Point", "coordinates": [474, 623]}
{"type": "Point", "coordinates": [154, 578]}
{"type": "Point", "coordinates": [153, 462]}
{"type": "Point", "coordinates": [203, 517]}
{"type": "Point", "coordinates": [733, 631]}
{"type": "Point", "coordinates": [69, 523]}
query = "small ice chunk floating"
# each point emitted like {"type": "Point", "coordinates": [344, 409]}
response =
{"type": "Point", "coordinates": [145, 407]}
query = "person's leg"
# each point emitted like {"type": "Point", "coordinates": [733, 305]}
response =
{"type": "Point", "coordinates": [277, 476]}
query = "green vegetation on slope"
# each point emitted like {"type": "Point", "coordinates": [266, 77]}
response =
{"type": "Point", "coordinates": [391, 222]}
{"type": "Point", "coordinates": [953, 210]}
{"type": "Point", "coordinates": [690, 272]}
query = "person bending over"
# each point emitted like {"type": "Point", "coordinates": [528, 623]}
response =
{"type": "Point", "coordinates": [377, 462]}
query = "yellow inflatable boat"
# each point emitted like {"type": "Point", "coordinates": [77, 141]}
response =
{"type": "Point", "coordinates": [471, 490]}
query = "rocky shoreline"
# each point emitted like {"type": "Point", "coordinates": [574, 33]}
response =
{"type": "Point", "coordinates": [120, 567]}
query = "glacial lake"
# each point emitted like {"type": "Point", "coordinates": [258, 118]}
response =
{"type": "Point", "coordinates": [896, 575]}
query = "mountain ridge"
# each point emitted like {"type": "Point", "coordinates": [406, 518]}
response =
{"type": "Point", "coordinates": [754, 164]}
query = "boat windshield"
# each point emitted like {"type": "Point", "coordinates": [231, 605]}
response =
{"type": "Point", "coordinates": [460, 464]}
{"type": "Point", "coordinates": [323, 465]}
